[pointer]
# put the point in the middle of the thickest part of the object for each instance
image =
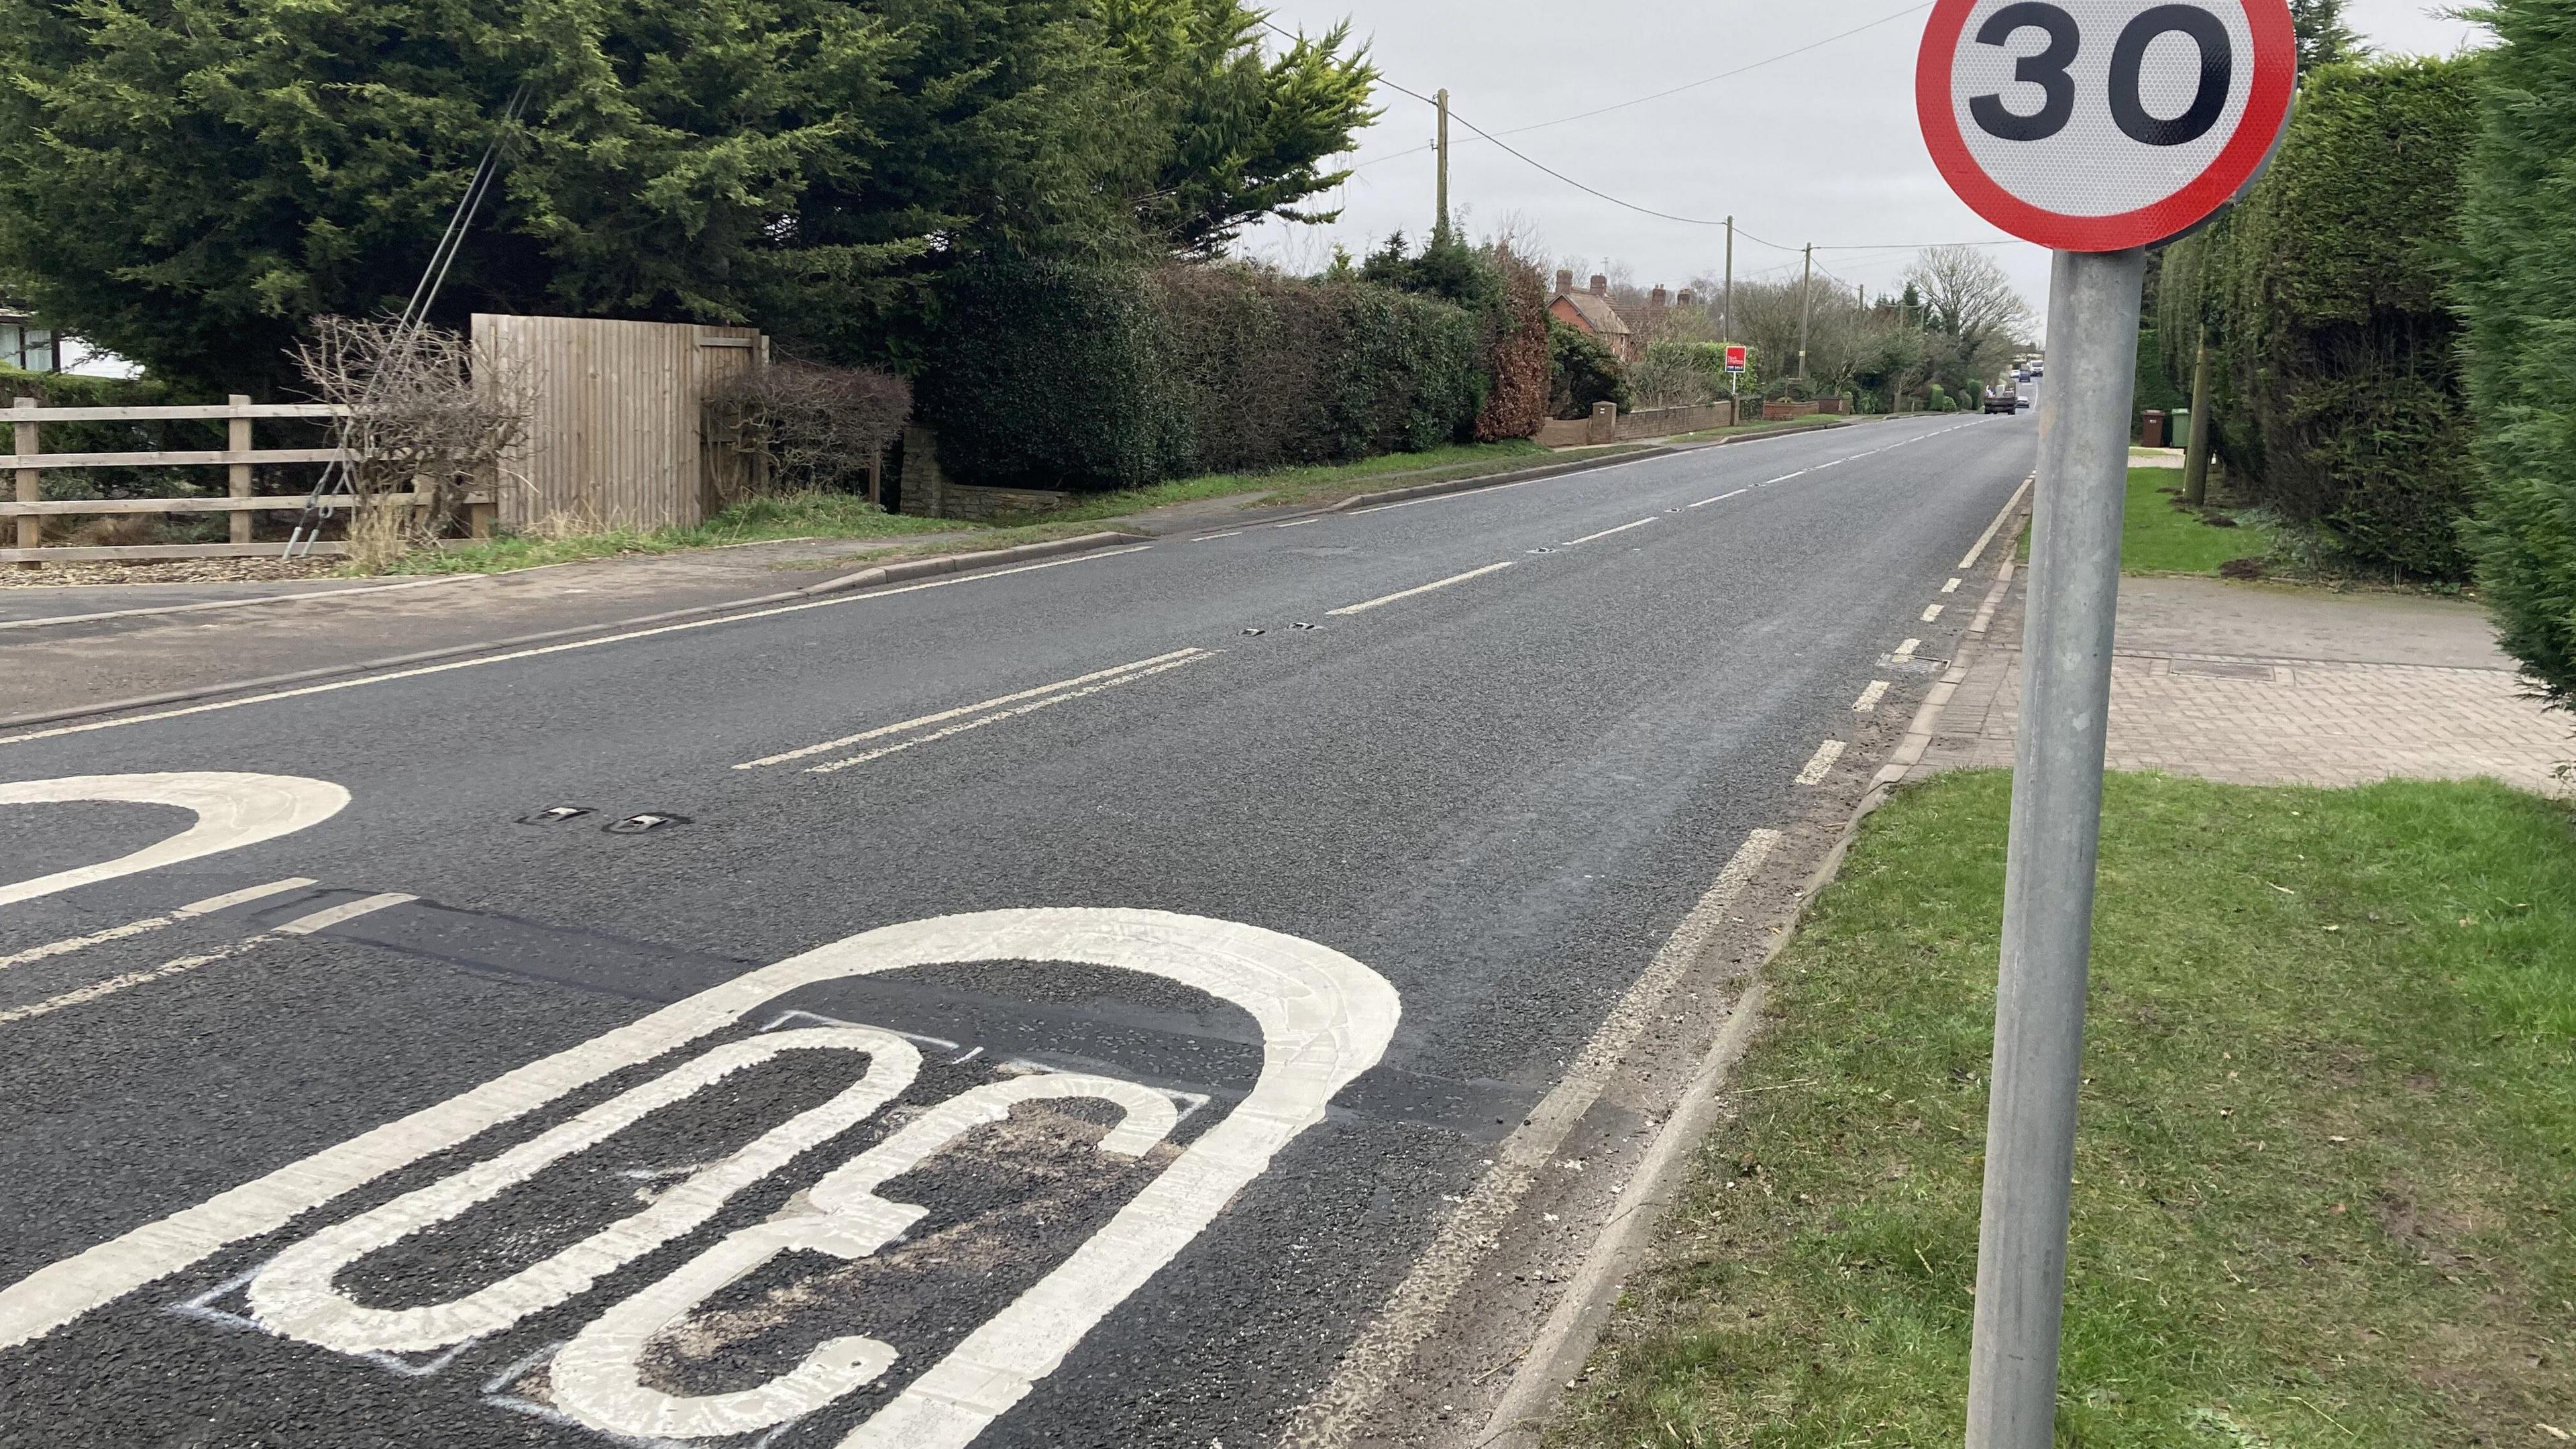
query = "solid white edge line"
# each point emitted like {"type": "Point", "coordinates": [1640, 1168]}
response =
{"type": "Point", "coordinates": [945, 715]}
{"type": "Point", "coordinates": [834, 601]}
{"type": "Point", "coordinates": [1367, 604]}
{"type": "Point", "coordinates": [1986, 537]}
{"type": "Point", "coordinates": [1411, 1313]}
{"type": "Point", "coordinates": [1605, 533]}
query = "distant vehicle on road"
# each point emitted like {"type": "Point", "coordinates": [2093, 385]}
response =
{"type": "Point", "coordinates": [2003, 397]}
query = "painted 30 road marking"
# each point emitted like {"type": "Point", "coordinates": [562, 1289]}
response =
{"type": "Point", "coordinates": [1324, 1019]}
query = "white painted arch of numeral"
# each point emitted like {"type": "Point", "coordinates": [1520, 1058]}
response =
{"type": "Point", "coordinates": [1324, 1018]}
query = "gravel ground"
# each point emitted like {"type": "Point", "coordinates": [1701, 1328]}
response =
{"type": "Point", "coordinates": [176, 571]}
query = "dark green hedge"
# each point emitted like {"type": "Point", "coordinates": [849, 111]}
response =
{"type": "Point", "coordinates": [1049, 375]}
{"type": "Point", "coordinates": [2341, 406]}
{"type": "Point", "coordinates": [2518, 296]}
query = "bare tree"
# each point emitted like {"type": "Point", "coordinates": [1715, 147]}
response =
{"type": "Point", "coordinates": [1967, 297]}
{"type": "Point", "coordinates": [424, 414]}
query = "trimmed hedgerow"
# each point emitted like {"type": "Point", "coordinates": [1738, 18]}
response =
{"type": "Point", "coordinates": [2343, 408]}
{"type": "Point", "coordinates": [2518, 296]}
{"type": "Point", "coordinates": [1050, 375]}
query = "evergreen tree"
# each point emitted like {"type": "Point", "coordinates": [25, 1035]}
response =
{"type": "Point", "coordinates": [2517, 292]}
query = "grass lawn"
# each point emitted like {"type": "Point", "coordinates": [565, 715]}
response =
{"type": "Point", "coordinates": [807, 515]}
{"type": "Point", "coordinates": [2158, 538]}
{"type": "Point", "coordinates": [2326, 1175]}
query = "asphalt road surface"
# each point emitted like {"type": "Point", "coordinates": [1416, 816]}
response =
{"type": "Point", "coordinates": [1044, 1007]}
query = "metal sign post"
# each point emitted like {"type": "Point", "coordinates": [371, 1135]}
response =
{"type": "Point", "coordinates": [2096, 128]}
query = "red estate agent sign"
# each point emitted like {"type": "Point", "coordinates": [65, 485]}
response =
{"type": "Point", "coordinates": [1735, 357]}
{"type": "Point", "coordinates": [2097, 125]}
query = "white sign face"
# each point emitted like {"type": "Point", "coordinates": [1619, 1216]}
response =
{"type": "Point", "coordinates": [2094, 125]}
{"type": "Point", "coordinates": [1324, 1019]}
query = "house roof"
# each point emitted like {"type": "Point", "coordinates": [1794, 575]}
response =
{"type": "Point", "coordinates": [1596, 312]}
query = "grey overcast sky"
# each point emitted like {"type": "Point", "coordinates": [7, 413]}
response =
{"type": "Point", "coordinates": [1818, 146]}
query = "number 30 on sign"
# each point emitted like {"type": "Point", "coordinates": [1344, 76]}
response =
{"type": "Point", "coordinates": [2098, 125]}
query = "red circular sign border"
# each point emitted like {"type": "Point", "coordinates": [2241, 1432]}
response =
{"type": "Point", "coordinates": [2275, 79]}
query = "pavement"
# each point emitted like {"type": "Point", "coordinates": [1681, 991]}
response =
{"type": "Point", "coordinates": [2267, 684]}
{"type": "Point", "coordinates": [1201, 992]}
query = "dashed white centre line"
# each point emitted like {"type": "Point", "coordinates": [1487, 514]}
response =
{"type": "Point", "coordinates": [1605, 533]}
{"type": "Point", "coordinates": [208, 906]}
{"type": "Point", "coordinates": [1384, 599]}
{"type": "Point", "coordinates": [835, 766]}
{"type": "Point", "coordinates": [1204, 537]}
{"type": "Point", "coordinates": [1931, 612]}
{"type": "Point", "coordinates": [1783, 478]}
{"type": "Point", "coordinates": [945, 715]}
{"type": "Point", "coordinates": [1870, 697]}
{"type": "Point", "coordinates": [1721, 498]}
{"type": "Point", "coordinates": [1821, 762]}
{"type": "Point", "coordinates": [300, 926]}
{"type": "Point", "coordinates": [1297, 523]}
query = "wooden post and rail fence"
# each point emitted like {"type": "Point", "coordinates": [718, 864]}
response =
{"type": "Point", "coordinates": [29, 463]}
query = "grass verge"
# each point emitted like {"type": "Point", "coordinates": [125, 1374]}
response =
{"type": "Point", "coordinates": [2327, 1162]}
{"type": "Point", "coordinates": [806, 515]}
{"type": "Point", "coordinates": [1321, 483]}
{"type": "Point", "coordinates": [2158, 536]}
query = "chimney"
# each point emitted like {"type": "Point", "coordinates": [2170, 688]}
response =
{"type": "Point", "coordinates": [1685, 298]}
{"type": "Point", "coordinates": [1600, 285]}
{"type": "Point", "coordinates": [1564, 281]}
{"type": "Point", "coordinates": [1657, 301]}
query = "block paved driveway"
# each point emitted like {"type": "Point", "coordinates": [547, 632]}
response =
{"type": "Point", "coordinates": [2268, 685]}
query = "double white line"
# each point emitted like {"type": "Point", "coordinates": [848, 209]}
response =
{"type": "Point", "coordinates": [977, 715]}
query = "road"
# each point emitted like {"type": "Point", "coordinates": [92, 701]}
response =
{"type": "Point", "coordinates": [1295, 865]}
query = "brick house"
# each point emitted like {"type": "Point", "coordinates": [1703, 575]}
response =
{"type": "Point", "coordinates": [1590, 311]}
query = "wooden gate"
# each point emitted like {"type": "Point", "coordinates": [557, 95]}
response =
{"type": "Point", "coordinates": [616, 427]}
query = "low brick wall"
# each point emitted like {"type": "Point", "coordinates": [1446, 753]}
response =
{"type": "Point", "coordinates": [928, 491]}
{"type": "Point", "coordinates": [1607, 425]}
{"type": "Point", "coordinates": [1665, 422]}
{"type": "Point", "coordinates": [1780, 412]}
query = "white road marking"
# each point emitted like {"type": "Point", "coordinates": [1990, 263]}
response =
{"type": "Point", "coordinates": [1204, 537]}
{"type": "Point", "coordinates": [1870, 697]}
{"type": "Point", "coordinates": [943, 716]}
{"type": "Point", "coordinates": [833, 602]}
{"type": "Point", "coordinates": [1905, 651]}
{"type": "Point", "coordinates": [323, 920]}
{"type": "Point", "coordinates": [1821, 763]}
{"type": "Point", "coordinates": [233, 810]}
{"type": "Point", "coordinates": [1721, 498]}
{"type": "Point", "coordinates": [1605, 533]}
{"type": "Point", "coordinates": [1297, 523]}
{"type": "Point", "coordinates": [1783, 478]}
{"type": "Point", "coordinates": [1423, 1298]}
{"type": "Point", "coordinates": [1988, 536]}
{"type": "Point", "coordinates": [1324, 1018]}
{"type": "Point", "coordinates": [1191, 656]}
{"type": "Point", "coordinates": [1931, 612]}
{"type": "Point", "coordinates": [1951, 587]}
{"type": "Point", "coordinates": [1383, 599]}
{"type": "Point", "coordinates": [300, 926]}
{"type": "Point", "coordinates": [208, 906]}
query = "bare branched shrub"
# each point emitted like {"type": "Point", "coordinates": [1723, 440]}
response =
{"type": "Point", "coordinates": [426, 413]}
{"type": "Point", "coordinates": [806, 427]}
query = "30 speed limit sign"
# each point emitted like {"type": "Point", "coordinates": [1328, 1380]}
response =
{"type": "Point", "coordinates": [2098, 125]}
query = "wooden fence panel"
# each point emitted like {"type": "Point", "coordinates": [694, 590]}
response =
{"type": "Point", "coordinates": [616, 416]}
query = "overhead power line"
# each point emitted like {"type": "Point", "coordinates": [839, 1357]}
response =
{"type": "Point", "coordinates": [1721, 75]}
{"type": "Point", "coordinates": [1533, 162]}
